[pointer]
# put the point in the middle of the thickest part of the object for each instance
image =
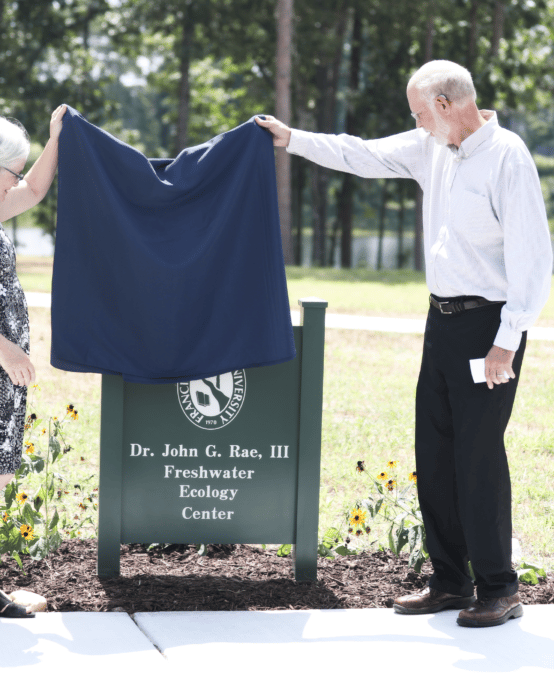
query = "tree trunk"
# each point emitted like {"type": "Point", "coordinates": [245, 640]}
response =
{"type": "Point", "coordinates": [327, 76]}
{"type": "Point", "coordinates": [472, 42]}
{"type": "Point", "coordinates": [299, 179]}
{"type": "Point", "coordinates": [498, 26]}
{"type": "Point", "coordinates": [382, 218]}
{"type": "Point", "coordinates": [346, 196]}
{"type": "Point", "coordinates": [283, 113]}
{"type": "Point", "coordinates": [184, 84]}
{"type": "Point", "coordinates": [401, 215]}
{"type": "Point", "coordinates": [418, 240]}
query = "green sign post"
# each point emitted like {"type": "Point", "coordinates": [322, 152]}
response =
{"type": "Point", "coordinates": [227, 459]}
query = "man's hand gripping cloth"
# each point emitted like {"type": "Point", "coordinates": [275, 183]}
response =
{"type": "Point", "coordinates": [168, 270]}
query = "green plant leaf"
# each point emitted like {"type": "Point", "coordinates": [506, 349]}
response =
{"type": "Point", "coordinates": [528, 576]}
{"type": "Point", "coordinates": [284, 550]}
{"type": "Point", "coordinates": [202, 549]}
{"type": "Point", "coordinates": [330, 536]}
{"type": "Point", "coordinates": [378, 505]}
{"type": "Point", "coordinates": [54, 521]}
{"type": "Point", "coordinates": [401, 538]}
{"type": "Point", "coordinates": [539, 571]}
{"type": "Point", "coordinates": [343, 550]}
{"type": "Point", "coordinates": [17, 559]}
{"type": "Point", "coordinates": [392, 544]}
{"type": "Point", "coordinates": [324, 551]}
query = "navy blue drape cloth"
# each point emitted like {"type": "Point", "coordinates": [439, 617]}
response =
{"type": "Point", "coordinates": [168, 270]}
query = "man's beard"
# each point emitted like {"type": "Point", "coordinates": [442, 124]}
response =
{"type": "Point", "coordinates": [441, 132]}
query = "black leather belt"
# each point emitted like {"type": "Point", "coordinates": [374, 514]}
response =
{"type": "Point", "coordinates": [457, 306]}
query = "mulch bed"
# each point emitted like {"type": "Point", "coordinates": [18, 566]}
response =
{"type": "Point", "coordinates": [228, 578]}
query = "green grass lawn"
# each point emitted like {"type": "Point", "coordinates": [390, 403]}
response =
{"type": "Point", "coordinates": [368, 406]}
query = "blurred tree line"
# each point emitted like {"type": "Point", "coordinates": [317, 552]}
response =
{"type": "Point", "coordinates": [164, 76]}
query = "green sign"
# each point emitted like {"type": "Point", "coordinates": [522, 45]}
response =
{"type": "Point", "coordinates": [233, 458]}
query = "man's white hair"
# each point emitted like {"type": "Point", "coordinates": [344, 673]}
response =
{"type": "Point", "coordinates": [444, 77]}
{"type": "Point", "coordinates": [14, 142]}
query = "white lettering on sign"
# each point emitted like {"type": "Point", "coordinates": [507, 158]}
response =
{"type": "Point", "coordinates": [208, 492]}
{"type": "Point", "coordinates": [237, 453]}
{"type": "Point", "coordinates": [182, 451]}
{"type": "Point", "coordinates": [203, 474]}
{"type": "Point", "coordinates": [137, 450]}
{"type": "Point", "coordinates": [210, 451]}
{"type": "Point", "coordinates": [190, 514]}
{"type": "Point", "coordinates": [276, 452]}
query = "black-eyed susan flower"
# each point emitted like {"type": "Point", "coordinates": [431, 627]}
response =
{"type": "Point", "coordinates": [29, 448]}
{"type": "Point", "coordinates": [391, 484]}
{"type": "Point", "coordinates": [391, 464]}
{"type": "Point", "coordinates": [5, 517]}
{"type": "Point", "coordinates": [360, 467]}
{"type": "Point", "coordinates": [21, 497]}
{"type": "Point", "coordinates": [359, 532]}
{"type": "Point", "coordinates": [350, 530]}
{"type": "Point", "coordinates": [382, 477]}
{"type": "Point", "coordinates": [27, 532]}
{"type": "Point", "coordinates": [357, 516]}
{"type": "Point", "coordinates": [82, 506]}
{"type": "Point", "coordinates": [43, 431]}
{"type": "Point", "coordinates": [368, 530]}
{"type": "Point", "coordinates": [413, 476]}
{"type": "Point", "coordinates": [70, 408]}
{"type": "Point", "coordinates": [74, 415]}
{"type": "Point", "coordinates": [32, 417]}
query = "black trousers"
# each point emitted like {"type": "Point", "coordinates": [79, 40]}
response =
{"type": "Point", "coordinates": [463, 478]}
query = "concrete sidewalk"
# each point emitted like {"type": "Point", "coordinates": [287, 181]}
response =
{"type": "Point", "coordinates": [276, 641]}
{"type": "Point", "coordinates": [343, 321]}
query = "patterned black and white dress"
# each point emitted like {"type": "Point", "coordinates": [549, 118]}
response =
{"type": "Point", "coordinates": [14, 325]}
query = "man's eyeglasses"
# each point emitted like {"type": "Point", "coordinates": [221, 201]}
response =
{"type": "Point", "coordinates": [416, 115]}
{"type": "Point", "coordinates": [19, 176]}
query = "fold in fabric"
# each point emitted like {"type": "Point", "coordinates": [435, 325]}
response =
{"type": "Point", "coordinates": [168, 270]}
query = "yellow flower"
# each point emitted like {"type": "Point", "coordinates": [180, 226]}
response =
{"type": "Point", "coordinates": [391, 464]}
{"type": "Point", "coordinates": [27, 532]}
{"type": "Point", "coordinates": [43, 431]}
{"type": "Point", "coordinates": [36, 387]}
{"type": "Point", "coordinates": [5, 517]}
{"type": "Point", "coordinates": [359, 532]}
{"type": "Point", "coordinates": [21, 497]}
{"type": "Point", "coordinates": [391, 484]}
{"type": "Point", "coordinates": [360, 467]}
{"type": "Point", "coordinates": [413, 476]}
{"type": "Point", "coordinates": [382, 476]}
{"type": "Point", "coordinates": [29, 448]}
{"type": "Point", "coordinates": [74, 415]}
{"type": "Point", "coordinates": [357, 516]}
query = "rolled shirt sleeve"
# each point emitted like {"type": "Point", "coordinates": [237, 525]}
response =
{"type": "Point", "coordinates": [527, 247]}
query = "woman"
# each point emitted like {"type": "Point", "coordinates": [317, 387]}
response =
{"type": "Point", "coordinates": [18, 193]}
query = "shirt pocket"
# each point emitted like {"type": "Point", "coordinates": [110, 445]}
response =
{"type": "Point", "coordinates": [474, 218]}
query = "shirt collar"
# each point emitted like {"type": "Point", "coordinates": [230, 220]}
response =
{"type": "Point", "coordinates": [477, 137]}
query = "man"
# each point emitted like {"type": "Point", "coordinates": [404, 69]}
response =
{"type": "Point", "coordinates": [488, 261]}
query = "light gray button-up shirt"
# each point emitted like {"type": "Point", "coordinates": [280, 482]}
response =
{"type": "Point", "coordinates": [484, 221]}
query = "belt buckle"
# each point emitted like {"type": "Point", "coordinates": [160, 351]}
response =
{"type": "Point", "coordinates": [446, 313]}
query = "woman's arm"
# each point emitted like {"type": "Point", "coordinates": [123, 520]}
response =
{"type": "Point", "coordinates": [38, 180]}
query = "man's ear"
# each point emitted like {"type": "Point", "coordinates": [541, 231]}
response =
{"type": "Point", "coordinates": [442, 104]}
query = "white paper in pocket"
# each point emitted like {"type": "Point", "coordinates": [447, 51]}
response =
{"type": "Point", "coordinates": [477, 366]}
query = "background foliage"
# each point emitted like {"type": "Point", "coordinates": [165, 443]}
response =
{"type": "Point", "coordinates": [166, 76]}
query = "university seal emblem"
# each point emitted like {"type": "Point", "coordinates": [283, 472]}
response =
{"type": "Point", "coordinates": [213, 402]}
